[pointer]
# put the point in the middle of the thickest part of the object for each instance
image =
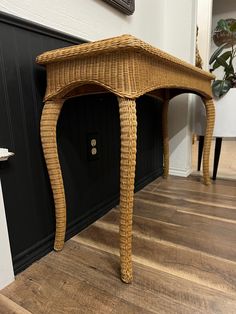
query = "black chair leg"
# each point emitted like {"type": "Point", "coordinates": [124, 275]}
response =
{"type": "Point", "coordinates": [200, 150]}
{"type": "Point", "coordinates": [217, 156]}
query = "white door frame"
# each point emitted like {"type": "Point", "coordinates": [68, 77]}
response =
{"type": "Point", "coordinates": [6, 266]}
{"type": "Point", "coordinates": [204, 21]}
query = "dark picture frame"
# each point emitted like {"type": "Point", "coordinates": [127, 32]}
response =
{"type": "Point", "coordinates": [125, 6]}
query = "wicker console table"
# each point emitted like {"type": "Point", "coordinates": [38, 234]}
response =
{"type": "Point", "coordinates": [129, 68]}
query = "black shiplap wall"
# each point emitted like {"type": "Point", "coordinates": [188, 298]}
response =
{"type": "Point", "coordinates": [92, 187]}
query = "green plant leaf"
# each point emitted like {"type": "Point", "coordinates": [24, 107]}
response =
{"type": "Point", "coordinates": [215, 65]}
{"type": "Point", "coordinates": [221, 62]}
{"type": "Point", "coordinates": [233, 27]}
{"type": "Point", "coordinates": [221, 87]}
{"type": "Point", "coordinates": [217, 53]}
{"type": "Point", "coordinates": [226, 55]}
{"type": "Point", "coordinates": [223, 25]}
{"type": "Point", "coordinates": [229, 70]}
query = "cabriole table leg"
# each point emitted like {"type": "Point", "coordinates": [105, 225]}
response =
{"type": "Point", "coordinates": [210, 120]}
{"type": "Point", "coordinates": [128, 125]}
{"type": "Point", "coordinates": [48, 126]}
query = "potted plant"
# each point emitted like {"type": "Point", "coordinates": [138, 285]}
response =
{"type": "Point", "coordinates": [222, 60]}
{"type": "Point", "coordinates": [225, 37]}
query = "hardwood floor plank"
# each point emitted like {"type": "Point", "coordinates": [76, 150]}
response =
{"type": "Point", "coordinates": [182, 228]}
{"type": "Point", "coordinates": [212, 208]}
{"type": "Point", "coordinates": [146, 219]}
{"type": "Point", "coordinates": [176, 206]}
{"type": "Point", "coordinates": [101, 270]}
{"type": "Point", "coordinates": [177, 260]}
{"type": "Point", "coordinates": [45, 289]}
{"type": "Point", "coordinates": [208, 242]}
{"type": "Point", "coordinates": [197, 195]}
{"type": "Point", "coordinates": [7, 306]}
{"type": "Point", "coordinates": [216, 201]}
{"type": "Point", "coordinates": [222, 187]}
{"type": "Point", "coordinates": [184, 254]}
{"type": "Point", "coordinates": [163, 285]}
{"type": "Point", "coordinates": [150, 290]}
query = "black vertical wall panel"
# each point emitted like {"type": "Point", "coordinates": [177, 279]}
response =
{"type": "Point", "coordinates": [92, 187]}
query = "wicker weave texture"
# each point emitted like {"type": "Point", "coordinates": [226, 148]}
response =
{"type": "Point", "coordinates": [210, 120]}
{"type": "Point", "coordinates": [111, 45]}
{"type": "Point", "coordinates": [128, 68]}
{"type": "Point", "coordinates": [118, 73]}
{"type": "Point", "coordinates": [128, 126]}
{"type": "Point", "coordinates": [50, 114]}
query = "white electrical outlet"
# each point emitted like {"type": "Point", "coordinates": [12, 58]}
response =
{"type": "Point", "coordinates": [94, 151]}
{"type": "Point", "coordinates": [93, 146]}
{"type": "Point", "coordinates": [93, 142]}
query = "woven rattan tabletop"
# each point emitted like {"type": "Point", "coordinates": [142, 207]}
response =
{"type": "Point", "coordinates": [123, 42]}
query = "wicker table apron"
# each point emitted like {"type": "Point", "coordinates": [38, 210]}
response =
{"type": "Point", "coordinates": [129, 68]}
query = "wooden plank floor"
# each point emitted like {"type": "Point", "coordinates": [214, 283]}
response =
{"type": "Point", "coordinates": [184, 252]}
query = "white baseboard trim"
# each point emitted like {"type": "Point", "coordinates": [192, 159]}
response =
{"type": "Point", "coordinates": [180, 172]}
{"type": "Point", "coordinates": [7, 280]}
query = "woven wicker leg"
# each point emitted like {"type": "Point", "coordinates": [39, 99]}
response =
{"type": "Point", "coordinates": [166, 155]}
{"type": "Point", "coordinates": [48, 127]}
{"type": "Point", "coordinates": [210, 120]}
{"type": "Point", "coordinates": [128, 123]}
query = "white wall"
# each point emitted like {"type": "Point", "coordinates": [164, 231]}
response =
{"type": "Point", "coordinates": [204, 21]}
{"type": "Point", "coordinates": [92, 19]}
{"type": "Point", "coordinates": [223, 8]}
{"type": "Point", "coordinates": [167, 24]}
{"type": "Point", "coordinates": [6, 269]}
{"type": "Point", "coordinates": [179, 39]}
